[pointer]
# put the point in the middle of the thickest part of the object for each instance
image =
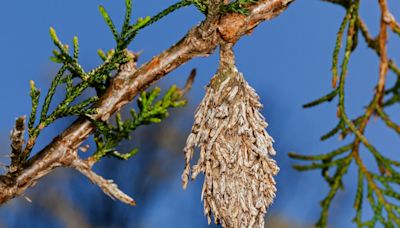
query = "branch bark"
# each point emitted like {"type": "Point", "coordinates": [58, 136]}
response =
{"type": "Point", "coordinates": [199, 41]}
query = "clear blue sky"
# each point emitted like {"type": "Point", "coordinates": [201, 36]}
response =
{"type": "Point", "coordinates": [287, 60]}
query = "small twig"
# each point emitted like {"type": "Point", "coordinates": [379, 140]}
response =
{"type": "Point", "coordinates": [384, 62]}
{"type": "Point", "coordinates": [189, 81]}
{"type": "Point", "coordinates": [108, 186]}
{"type": "Point", "coordinates": [387, 120]}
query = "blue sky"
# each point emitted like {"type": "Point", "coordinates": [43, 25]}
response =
{"type": "Point", "coordinates": [287, 60]}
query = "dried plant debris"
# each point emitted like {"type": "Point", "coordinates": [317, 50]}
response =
{"type": "Point", "coordinates": [235, 152]}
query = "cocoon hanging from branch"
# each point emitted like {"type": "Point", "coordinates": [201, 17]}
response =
{"type": "Point", "coordinates": [235, 150]}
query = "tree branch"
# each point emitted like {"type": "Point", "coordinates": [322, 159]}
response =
{"type": "Point", "coordinates": [199, 41]}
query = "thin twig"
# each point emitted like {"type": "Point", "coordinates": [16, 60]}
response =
{"type": "Point", "coordinates": [108, 186]}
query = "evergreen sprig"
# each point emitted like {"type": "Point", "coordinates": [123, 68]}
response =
{"type": "Point", "coordinates": [76, 80]}
{"type": "Point", "coordinates": [239, 6]}
{"type": "Point", "coordinates": [108, 136]}
{"type": "Point", "coordinates": [380, 190]}
{"type": "Point", "coordinates": [236, 6]}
